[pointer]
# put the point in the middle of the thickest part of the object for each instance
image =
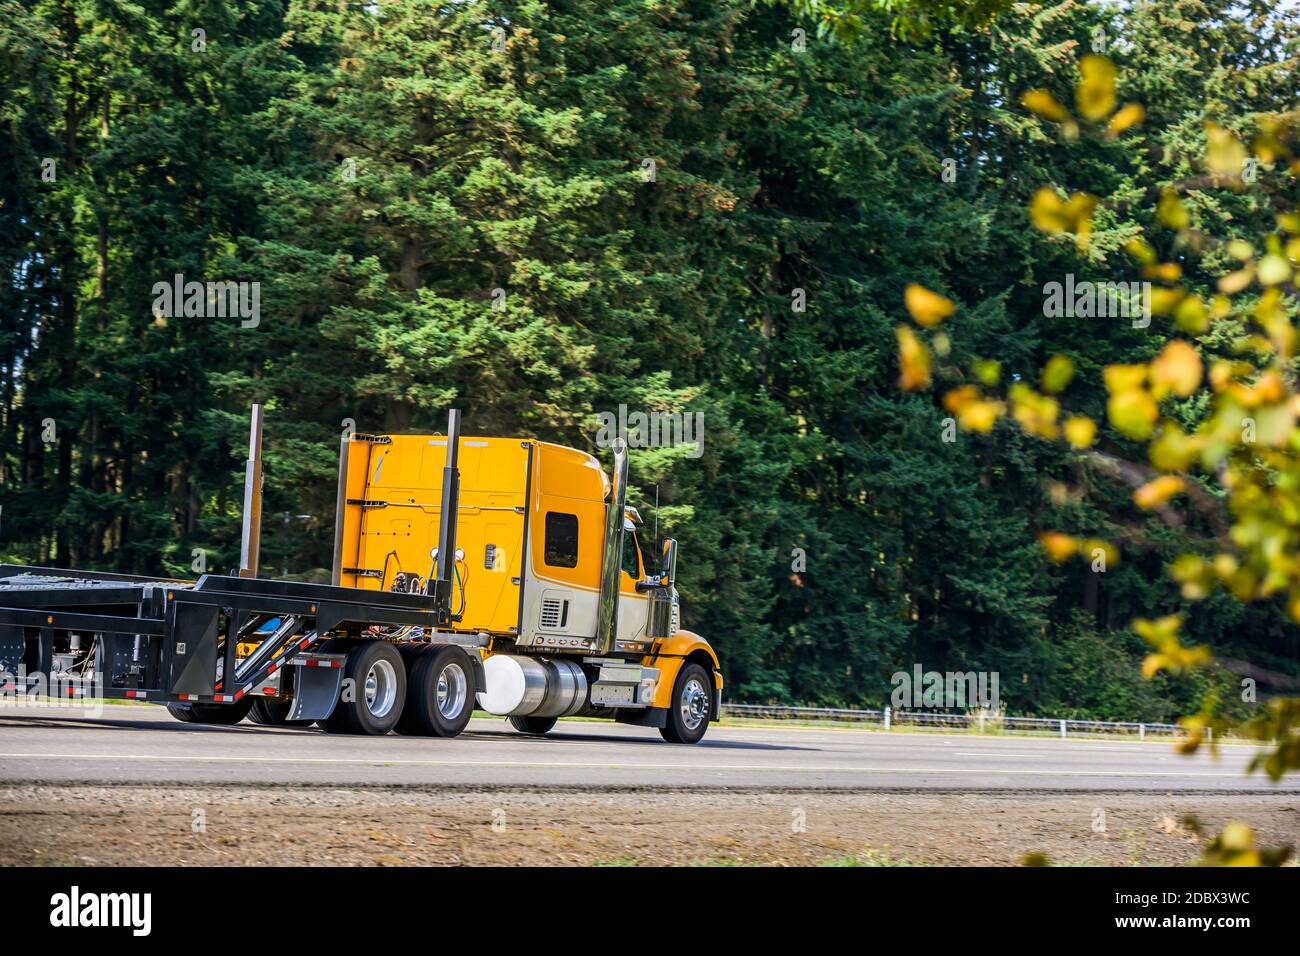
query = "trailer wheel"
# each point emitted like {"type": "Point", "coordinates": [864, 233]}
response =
{"type": "Point", "coordinates": [688, 714]}
{"type": "Point", "coordinates": [225, 714]}
{"type": "Point", "coordinates": [440, 693]}
{"type": "Point", "coordinates": [274, 713]}
{"type": "Point", "coordinates": [535, 726]}
{"type": "Point", "coordinates": [374, 691]}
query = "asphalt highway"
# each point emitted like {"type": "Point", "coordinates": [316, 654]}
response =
{"type": "Point", "coordinates": [144, 745]}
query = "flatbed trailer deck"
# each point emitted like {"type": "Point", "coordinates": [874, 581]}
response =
{"type": "Point", "coordinates": [129, 637]}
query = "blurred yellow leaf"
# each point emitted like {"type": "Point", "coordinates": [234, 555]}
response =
{"type": "Point", "coordinates": [1225, 154]}
{"type": "Point", "coordinates": [1164, 300]}
{"type": "Point", "coordinates": [1057, 373]}
{"type": "Point", "coordinates": [979, 416]}
{"type": "Point", "coordinates": [974, 412]}
{"type": "Point", "coordinates": [988, 371]}
{"type": "Point", "coordinates": [1157, 491]}
{"type": "Point", "coordinates": [913, 361]}
{"type": "Point", "coordinates": [1122, 378]}
{"type": "Point", "coordinates": [1095, 94]}
{"type": "Point", "coordinates": [1177, 369]}
{"type": "Point", "coordinates": [1036, 414]}
{"type": "Point", "coordinates": [927, 308]}
{"type": "Point", "coordinates": [1141, 251]}
{"type": "Point", "coordinates": [1080, 431]}
{"type": "Point", "coordinates": [1052, 214]}
{"type": "Point", "coordinates": [1170, 653]}
{"type": "Point", "coordinates": [1133, 413]}
{"type": "Point", "coordinates": [1240, 249]}
{"type": "Point", "coordinates": [1045, 105]}
{"type": "Point", "coordinates": [1190, 315]}
{"type": "Point", "coordinates": [1273, 270]}
{"type": "Point", "coordinates": [1047, 210]}
{"type": "Point", "coordinates": [1173, 449]}
{"type": "Point", "coordinates": [1059, 547]}
{"type": "Point", "coordinates": [1171, 212]}
{"type": "Point", "coordinates": [1163, 271]}
{"type": "Point", "coordinates": [1234, 282]}
{"type": "Point", "coordinates": [1130, 115]}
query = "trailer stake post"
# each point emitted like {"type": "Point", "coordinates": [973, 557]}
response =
{"type": "Point", "coordinates": [251, 541]}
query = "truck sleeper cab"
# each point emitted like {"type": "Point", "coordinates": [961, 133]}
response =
{"type": "Point", "coordinates": [537, 559]}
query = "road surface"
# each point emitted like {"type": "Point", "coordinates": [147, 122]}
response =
{"type": "Point", "coordinates": [144, 745]}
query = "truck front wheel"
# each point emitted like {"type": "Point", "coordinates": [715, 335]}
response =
{"type": "Point", "coordinates": [374, 691]}
{"type": "Point", "coordinates": [688, 713]}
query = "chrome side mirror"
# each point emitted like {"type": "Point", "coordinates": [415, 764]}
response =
{"type": "Point", "coordinates": [668, 574]}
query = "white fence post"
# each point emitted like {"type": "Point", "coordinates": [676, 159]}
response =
{"type": "Point", "coordinates": [1062, 730]}
{"type": "Point", "coordinates": [886, 718]}
{"type": "Point", "coordinates": [1142, 731]}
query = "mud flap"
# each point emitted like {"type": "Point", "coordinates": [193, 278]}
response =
{"type": "Point", "coordinates": [316, 693]}
{"type": "Point", "coordinates": [644, 717]}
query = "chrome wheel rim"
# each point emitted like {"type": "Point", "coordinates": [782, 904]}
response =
{"type": "Point", "coordinates": [694, 704]}
{"type": "Point", "coordinates": [453, 689]}
{"type": "Point", "coordinates": [381, 688]}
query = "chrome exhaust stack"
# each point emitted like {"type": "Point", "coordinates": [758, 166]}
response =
{"type": "Point", "coordinates": [607, 611]}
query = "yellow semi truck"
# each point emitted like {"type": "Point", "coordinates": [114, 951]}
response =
{"type": "Point", "coordinates": [507, 573]}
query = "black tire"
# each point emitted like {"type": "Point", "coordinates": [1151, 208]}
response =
{"type": "Point", "coordinates": [441, 691]}
{"type": "Point", "coordinates": [534, 726]}
{"type": "Point", "coordinates": [223, 714]}
{"type": "Point", "coordinates": [371, 709]}
{"type": "Point", "coordinates": [274, 713]}
{"type": "Point", "coordinates": [409, 723]}
{"type": "Point", "coordinates": [688, 714]}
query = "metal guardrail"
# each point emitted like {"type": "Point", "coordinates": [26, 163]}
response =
{"type": "Point", "coordinates": [981, 722]}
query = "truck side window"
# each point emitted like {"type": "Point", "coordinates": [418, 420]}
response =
{"type": "Point", "coordinates": [561, 550]}
{"type": "Point", "coordinates": [630, 564]}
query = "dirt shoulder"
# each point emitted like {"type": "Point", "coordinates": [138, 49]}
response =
{"type": "Point", "coordinates": [229, 825]}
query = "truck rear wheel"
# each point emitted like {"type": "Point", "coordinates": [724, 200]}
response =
{"type": "Point", "coordinates": [688, 713]}
{"type": "Point", "coordinates": [440, 695]}
{"type": "Point", "coordinates": [225, 714]}
{"type": "Point", "coordinates": [374, 691]}
{"type": "Point", "coordinates": [536, 726]}
{"type": "Point", "coordinates": [274, 713]}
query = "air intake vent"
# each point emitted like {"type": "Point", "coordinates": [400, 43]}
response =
{"type": "Point", "coordinates": [551, 613]}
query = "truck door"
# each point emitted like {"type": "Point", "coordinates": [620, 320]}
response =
{"type": "Point", "coordinates": [633, 606]}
